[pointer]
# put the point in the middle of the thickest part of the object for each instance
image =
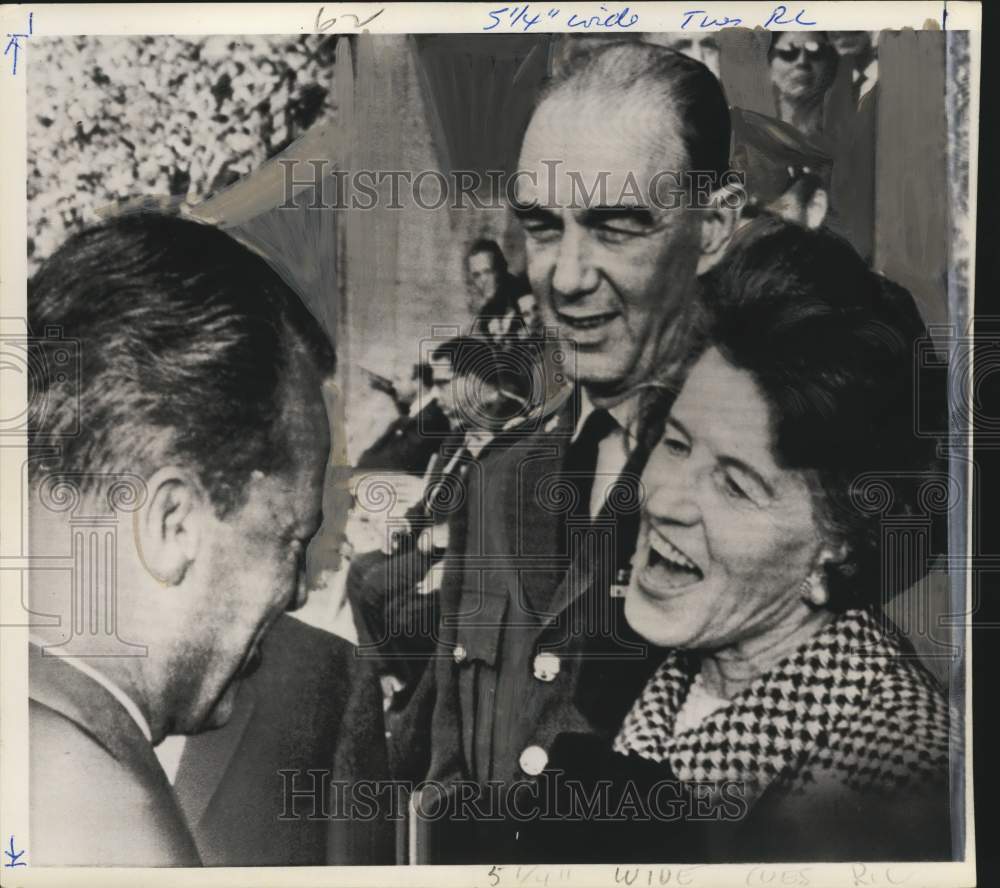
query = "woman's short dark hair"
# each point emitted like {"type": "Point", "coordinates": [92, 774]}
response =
{"type": "Point", "coordinates": [186, 342]}
{"type": "Point", "coordinates": [832, 346]}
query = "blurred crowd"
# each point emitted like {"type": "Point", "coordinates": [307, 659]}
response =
{"type": "Point", "coordinates": [169, 118]}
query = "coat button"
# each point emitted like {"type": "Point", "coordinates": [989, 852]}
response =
{"type": "Point", "coordinates": [546, 667]}
{"type": "Point", "coordinates": [533, 760]}
{"type": "Point", "coordinates": [459, 653]}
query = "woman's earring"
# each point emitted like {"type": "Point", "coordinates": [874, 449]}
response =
{"type": "Point", "coordinates": [813, 590]}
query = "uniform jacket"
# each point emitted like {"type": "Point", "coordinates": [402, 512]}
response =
{"type": "Point", "coordinates": [530, 645]}
{"type": "Point", "coordinates": [843, 751]}
{"type": "Point", "coordinates": [98, 794]}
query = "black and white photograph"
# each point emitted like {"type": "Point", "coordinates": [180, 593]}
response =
{"type": "Point", "coordinates": [528, 437]}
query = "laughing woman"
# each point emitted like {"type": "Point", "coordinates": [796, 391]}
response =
{"type": "Point", "coordinates": [785, 716]}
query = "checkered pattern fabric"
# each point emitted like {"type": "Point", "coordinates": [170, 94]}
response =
{"type": "Point", "coordinates": [850, 706]}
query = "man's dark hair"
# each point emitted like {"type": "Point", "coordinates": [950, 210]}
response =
{"type": "Point", "coordinates": [423, 374]}
{"type": "Point", "coordinates": [832, 346]}
{"type": "Point", "coordinates": [478, 361]}
{"type": "Point", "coordinates": [186, 340]}
{"type": "Point", "coordinates": [486, 245]}
{"type": "Point", "coordinates": [667, 80]}
{"type": "Point", "coordinates": [469, 356]}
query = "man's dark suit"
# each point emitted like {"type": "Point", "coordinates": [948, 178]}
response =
{"type": "Point", "coordinates": [312, 704]}
{"type": "Point", "coordinates": [852, 125]}
{"type": "Point", "coordinates": [489, 708]}
{"type": "Point", "coordinates": [98, 794]}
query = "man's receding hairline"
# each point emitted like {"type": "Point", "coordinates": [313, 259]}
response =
{"type": "Point", "coordinates": [666, 116]}
{"type": "Point", "coordinates": [587, 88]}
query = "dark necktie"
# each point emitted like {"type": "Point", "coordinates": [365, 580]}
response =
{"type": "Point", "coordinates": [622, 505]}
{"type": "Point", "coordinates": [580, 463]}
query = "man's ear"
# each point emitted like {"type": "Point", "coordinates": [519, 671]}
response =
{"type": "Point", "coordinates": [169, 526]}
{"type": "Point", "coordinates": [718, 223]}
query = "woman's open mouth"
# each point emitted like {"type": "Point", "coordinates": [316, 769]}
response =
{"type": "Point", "coordinates": [667, 567]}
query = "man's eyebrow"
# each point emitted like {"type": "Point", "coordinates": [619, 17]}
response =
{"type": "Point", "coordinates": [605, 214]}
{"type": "Point", "coordinates": [534, 213]}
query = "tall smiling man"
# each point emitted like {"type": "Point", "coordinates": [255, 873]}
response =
{"type": "Point", "coordinates": [530, 646]}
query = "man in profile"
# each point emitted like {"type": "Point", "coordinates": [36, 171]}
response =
{"type": "Point", "coordinates": [198, 431]}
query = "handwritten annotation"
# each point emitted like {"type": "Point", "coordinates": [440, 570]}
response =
{"type": "Point", "coordinates": [524, 18]}
{"type": "Point", "coordinates": [855, 875]}
{"type": "Point", "coordinates": [13, 856]}
{"type": "Point", "coordinates": [356, 21]}
{"type": "Point", "coordinates": [14, 43]}
{"type": "Point", "coordinates": [779, 16]}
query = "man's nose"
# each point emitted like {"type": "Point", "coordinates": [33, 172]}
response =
{"type": "Point", "coordinates": [574, 274]}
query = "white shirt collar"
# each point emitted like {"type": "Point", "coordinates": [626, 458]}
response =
{"type": "Point", "coordinates": [867, 77]}
{"type": "Point", "coordinates": [169, 753]}
{"type": "Point", "coordinates": [126, 701]}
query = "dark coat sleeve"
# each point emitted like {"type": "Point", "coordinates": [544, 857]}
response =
{"type": "Point", "coordinates": [592, 805]}
{"type": "Point", "coordinates": [317, 717]}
